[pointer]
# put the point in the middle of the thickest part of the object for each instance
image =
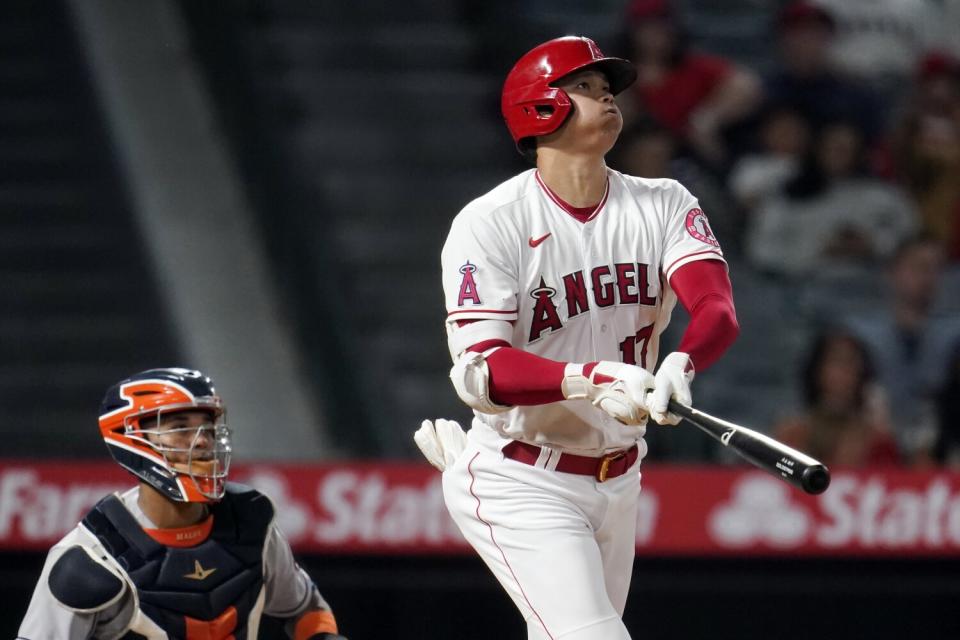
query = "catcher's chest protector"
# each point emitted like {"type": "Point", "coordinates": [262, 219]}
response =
{"type": "Point", "coordinates": [205, 591]}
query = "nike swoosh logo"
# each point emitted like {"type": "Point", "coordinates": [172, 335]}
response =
{"type": "Point", "coordinates": [536, 243]}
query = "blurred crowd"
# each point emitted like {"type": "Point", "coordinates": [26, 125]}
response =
{"type": "Point", "coordinates": [843, 155]}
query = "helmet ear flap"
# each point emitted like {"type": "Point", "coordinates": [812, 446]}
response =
{"type": "Point", "coordinates": [539, 112]}
{"type": "Point", "coordinates": [556, 106]}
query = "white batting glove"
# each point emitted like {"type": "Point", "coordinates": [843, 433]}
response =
{"type": "Point", "coordinates": [672, 381]}
{"type": "Point", "coordinates": [619, 390]}
{"type": "Point", "coordinates": [441, 441]}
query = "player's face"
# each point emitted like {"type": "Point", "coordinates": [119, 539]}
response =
{"type": "Point", "coordinates": [194, 441]}
{"type": "Point", "coordinates": [595, 122]}
{"type": "Point", "coordinates": [185, 436]}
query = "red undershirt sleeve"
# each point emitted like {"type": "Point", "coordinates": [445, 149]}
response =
{"type": "Point", "coordinates": [520, 378]}
{"type": "Point", "coordinates": [703, 288]}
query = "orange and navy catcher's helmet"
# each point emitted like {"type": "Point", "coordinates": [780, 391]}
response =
{"type": "Point", "coordinates": [182, 474]}
{"type": "Point", "coordinates": [531, 104]}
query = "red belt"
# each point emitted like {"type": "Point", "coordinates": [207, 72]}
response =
{"type": "Point", "coordinates": [602, 468]}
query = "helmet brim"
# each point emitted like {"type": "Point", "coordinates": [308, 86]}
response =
{"type": "Point", "coordinates": [620, 73]}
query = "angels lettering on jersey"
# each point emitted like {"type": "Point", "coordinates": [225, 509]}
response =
{"type": "Point", "coordinates": [600, 287]}
{"type": "Point", "coordinates": [624, 284]}
{"type": "Point", "coordinates": [577, 288]}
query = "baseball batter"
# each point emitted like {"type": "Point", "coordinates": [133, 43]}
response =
{"type": "Point", "coordinates": [558, 284]}
{"type": "Point", "coordinates": [184, 554]}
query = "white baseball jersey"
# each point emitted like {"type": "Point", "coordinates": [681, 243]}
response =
{"type": "Point", "coordinates": [574, 291]}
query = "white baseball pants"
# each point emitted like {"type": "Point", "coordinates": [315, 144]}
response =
{"type": "Point", "coordinates": [562, 545]}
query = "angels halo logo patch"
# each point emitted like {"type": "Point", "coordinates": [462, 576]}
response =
{"type": "Point", "coordinates": [698, 227]}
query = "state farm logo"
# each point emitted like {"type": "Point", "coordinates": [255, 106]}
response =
{"type": "Point", "coordinates": [858, 512]}
{"type": "Point", "coordinates": [293, 517]}
{"type": "Point", "coordinates": [869, 513]}
{"type": "Point", "coordinates": [353, 507]}
{"type": "Point", "coordinates": [368, 508]}
{"type": "Point", "coordinates": [760, 511]}
{"type": "Point", "coordinates": [357, 507]}
{"type": "Point", "coordinates": [35, 511]}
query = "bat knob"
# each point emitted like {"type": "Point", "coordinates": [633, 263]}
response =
{"type": "Point", "coordinates": [815, 479]}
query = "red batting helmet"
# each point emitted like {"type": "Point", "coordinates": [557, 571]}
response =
{"type": "Point", "coordinates": [530, 103]}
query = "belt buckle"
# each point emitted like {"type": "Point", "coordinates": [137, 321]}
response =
{"type": "Point", "coordinates": [605, 461]}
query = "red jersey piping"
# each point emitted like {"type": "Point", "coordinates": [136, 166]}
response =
{"type": "Point", "coordinates": [453, 313]}
{"type": "Point", "coordinates": [565, 207]}
{"type": "Point", "coordinates": [695, 253]}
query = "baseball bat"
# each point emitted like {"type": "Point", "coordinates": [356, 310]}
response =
{"type": "Point", "coordinates": [762, 451]}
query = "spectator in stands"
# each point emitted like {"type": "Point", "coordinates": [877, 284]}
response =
{"type": "Point", "coordinates": [647, 150]}
{"type": "Point", "coordinates": [946, 451]}
{"type": "Point", "coordinates": [806, 78]}
{"type": "Point", "coordinates": [783, 137]}
{"type": "Point", "coordinates": [832, 214]}
{"type": "Point", "coordinates": [881, 41]}
{"type": "Point", "coordinates": [910, 342]}
{"type": "Point", "coordinates": [925, 150]}
{"type": "Point", "coordinates": [650, 150]}
{"type": "Point", "coordinates": [695, 95]}
{"type": "Point", "coordinates": [844, 421]}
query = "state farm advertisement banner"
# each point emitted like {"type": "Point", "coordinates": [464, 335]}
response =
{"type": "Point", "coordinates": [394, 508]}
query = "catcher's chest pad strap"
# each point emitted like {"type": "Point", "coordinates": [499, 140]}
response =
{"type": "Point", "coordinates": [199, 583]}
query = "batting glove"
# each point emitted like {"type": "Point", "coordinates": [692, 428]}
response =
{"type": "Point", "coordinates": [672, 381]}
{"type": "Point", "coordinates": [619, 390]}
{"type": "Point", "coordinates": [441, 441]}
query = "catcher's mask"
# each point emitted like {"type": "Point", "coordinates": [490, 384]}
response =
{"type": "Point", "coordinates": [166, 426]}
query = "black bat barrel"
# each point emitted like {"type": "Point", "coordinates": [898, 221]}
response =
{"type": "Point", "coordinates": [760, 450]}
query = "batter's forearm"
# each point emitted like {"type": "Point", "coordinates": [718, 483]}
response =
{"type": "Point", "coordinates": [492, 377]}
{"type": "Point", "coordinates": [517, 377]}
{"type": "Point", "coordinates": [713, 328]}
{"type": "Point", "coordinates": [704, 290]}
{"type": "Point", "coordinates": [520, 378]}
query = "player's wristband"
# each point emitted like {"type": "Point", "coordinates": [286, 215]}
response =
{"type": "Point", "coordinates": [578, 380]}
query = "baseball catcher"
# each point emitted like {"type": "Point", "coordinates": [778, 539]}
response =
{"type": "Point", "coordinates": [184, 554]}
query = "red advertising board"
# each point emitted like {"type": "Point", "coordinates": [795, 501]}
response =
{"type": "Point", "coordinates": [394, 508]}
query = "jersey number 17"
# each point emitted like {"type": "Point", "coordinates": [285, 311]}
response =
{"type": "Point", "coordinates": [630, 347]}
